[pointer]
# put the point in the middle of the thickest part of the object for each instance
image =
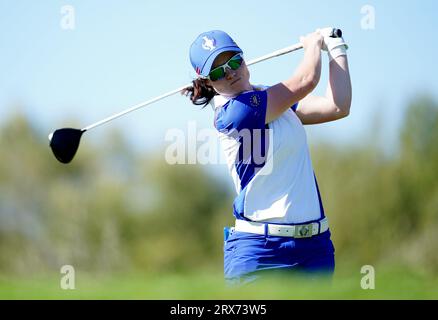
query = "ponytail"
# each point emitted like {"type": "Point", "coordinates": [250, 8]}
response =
{"type": "Point", "coordinates": [200, 93]}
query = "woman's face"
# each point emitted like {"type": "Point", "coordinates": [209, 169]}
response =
{"type": "Point", "coordinates": [235, 81]}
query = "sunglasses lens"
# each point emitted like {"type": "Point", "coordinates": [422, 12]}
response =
{"type": "Point", "coordinates": [217, 74]}
{"type": "Point", "coordinates": [235, 62]}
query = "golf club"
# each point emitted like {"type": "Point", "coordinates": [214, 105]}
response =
{"type": "Point", "coordinates": [65, 142]}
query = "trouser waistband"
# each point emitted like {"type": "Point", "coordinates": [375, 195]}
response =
{"type": "Point", "coordinates": [283, 230]}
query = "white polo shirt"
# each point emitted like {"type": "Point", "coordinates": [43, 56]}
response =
{"type": "Point", "coordinates": [270, 163]}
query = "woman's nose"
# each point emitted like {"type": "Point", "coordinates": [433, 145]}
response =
{"type": "Point", "coordinates": [229, 74]}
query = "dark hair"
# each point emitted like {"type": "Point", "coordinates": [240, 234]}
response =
{"type": "Point", "coordinates": [200, 93]}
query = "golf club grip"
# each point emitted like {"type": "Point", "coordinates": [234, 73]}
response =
{"type": "Point", "coordinates": [337, 33]}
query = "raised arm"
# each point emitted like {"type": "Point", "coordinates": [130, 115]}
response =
{"type": "Point", "coordinates": [284, 94]}
{"type": "Point", "coordinates": [337, 100]}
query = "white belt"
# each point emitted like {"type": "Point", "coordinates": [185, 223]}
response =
{"type": "Point", "coordinates": [283, 230]}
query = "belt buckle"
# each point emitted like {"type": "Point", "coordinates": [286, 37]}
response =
{"type": "Point", "coordinates": [303, 231]}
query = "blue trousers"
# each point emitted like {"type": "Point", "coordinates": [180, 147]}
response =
{"type": "Point", "coordinates": [247, 256]}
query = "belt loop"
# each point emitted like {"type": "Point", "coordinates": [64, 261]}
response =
{"type": "Point", "coordinates": [319, 226]}
{"type": "Point", "coordinates": [266, 229]}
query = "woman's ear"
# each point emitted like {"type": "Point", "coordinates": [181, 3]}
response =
{"type": "Point", "coordinates": [208, 82]}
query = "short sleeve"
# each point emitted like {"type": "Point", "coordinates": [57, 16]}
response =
{"type": "Point", "coordinates": [246, 111]}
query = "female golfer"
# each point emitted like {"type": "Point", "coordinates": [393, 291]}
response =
{"type": "Point", "coordinates": [280, 220]}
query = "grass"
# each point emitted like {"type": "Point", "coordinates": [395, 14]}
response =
{"type": "Point", "coordinates": [390, 283]}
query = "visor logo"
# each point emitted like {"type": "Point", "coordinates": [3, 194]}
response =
{"type": "Point", "coordinates": [208, 44]}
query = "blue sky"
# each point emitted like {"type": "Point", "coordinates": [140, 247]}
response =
{"type": "Point", "coordinates": [125, 52]}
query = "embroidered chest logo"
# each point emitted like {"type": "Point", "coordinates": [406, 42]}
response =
{"type": "Point", "coordinates": [208, 44]}
{"type": "Point", "coordinates": [254, 100]}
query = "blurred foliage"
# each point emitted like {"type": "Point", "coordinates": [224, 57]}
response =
{"type": "Point", "coordinates": [116, 210]}
{"type": "Point", "coordinates": [385, 207]}
{"type": "Point", "coordinates": [109, 210]}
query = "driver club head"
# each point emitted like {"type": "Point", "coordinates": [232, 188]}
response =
{"type": "Point", "coordinates": [64, 143]}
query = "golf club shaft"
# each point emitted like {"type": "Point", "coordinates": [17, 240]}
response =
{"type": "Point", "coordinates": [297, 46]}
{"type": "Point", "coordinates": [336, 33]}
{"type": "Point", "coordinates": [277, 53]}
{"type": "Point", "coordinates": [137, 106]}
